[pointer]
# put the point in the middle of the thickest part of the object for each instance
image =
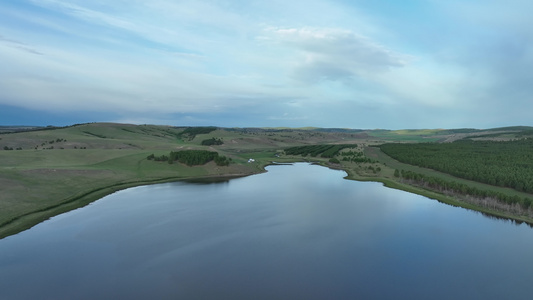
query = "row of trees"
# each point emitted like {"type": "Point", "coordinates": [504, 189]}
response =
{"type": "Point", "coordinates": [192, 157]}
{"type": "Point", "coordinates": [355, 156]}
{"type": "Point", "coordinates": [191, 132]}
{"type": "Point", "coordinates": [507, 164]}
{"type": "Point", "coordinates": [51, 142]}
{"type": "Point", "coordinates": [212, 142]}
{"type": "Point", "coordinates": [327, 151]}
{"type": "Point", "coordinates": [452, 187]}
{"type": "Point", "coordinates": [95, 134]}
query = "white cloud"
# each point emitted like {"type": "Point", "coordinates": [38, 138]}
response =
{"type": "Point", "coordinates": [344, 65]}
{"type": "Point", "coordinates": [335, 54]}
{"type": "Point", "coordinates": [69, 81]}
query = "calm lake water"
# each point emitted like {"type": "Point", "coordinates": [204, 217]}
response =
{"type": "Point", "coordinates": [296, 232]}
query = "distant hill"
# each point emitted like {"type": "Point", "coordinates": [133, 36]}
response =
{"type": "Point", "coordinates": [9, 129]}
{"type": "Point", "coordinates": [511, 128]}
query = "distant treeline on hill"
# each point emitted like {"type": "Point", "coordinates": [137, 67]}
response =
{"type": "Point", "coordinates": [212, 142]}
{"type": "Point", "coordinates": [327, 151]}
{"type": "Point", "coordinates": [192, 157]}
{"type": "Point", "coordinates": [507, 164]}
{"type": "Point", "coordinates": [192, 132]}
{"type": "Point", "coordinates": [15, 129]}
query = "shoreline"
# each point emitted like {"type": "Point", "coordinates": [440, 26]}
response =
{"type": "Point", "coordinates": [434, 195]}
{"type": "Point", "coordinates": [29, 220]}
{"type": "Point", "coordinates": [442, 198]}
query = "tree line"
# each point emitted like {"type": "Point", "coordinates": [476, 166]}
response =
{"type": "Point", "coordinates": [191, 132]}
{"type": "Point", "coordinates": [192, 157]}
{"type": "Point", "coordinates": [490, 199]}
{"type": "Point", "coordinates": [506, 164]}
{"type": "Point", "coordinates": [355, 156]}
{"type": "Point", "coordinates": [326, 151]}
{"type": "Point", "coordinates": [212, 142]}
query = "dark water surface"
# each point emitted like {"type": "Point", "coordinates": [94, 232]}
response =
{"type": "Point", "coordinates": [296, 232]}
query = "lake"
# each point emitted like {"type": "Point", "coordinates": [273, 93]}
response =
{"type": "Point", "coordinates": [296, 232]}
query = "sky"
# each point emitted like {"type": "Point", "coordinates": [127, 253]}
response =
{"type": "Point", "coordinates": [361, 64]}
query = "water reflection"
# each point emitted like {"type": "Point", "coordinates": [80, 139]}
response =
{"type": "Point", "coordinates": [296, 232]}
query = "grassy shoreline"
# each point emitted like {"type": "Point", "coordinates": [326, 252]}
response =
{"type": "Point", "coordinates": [453, 201]}
{"type": "Point", "coordinates": [30, 219]}
{"type": "Point", "coordinates": [431, 194]}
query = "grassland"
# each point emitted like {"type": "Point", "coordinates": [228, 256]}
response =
{"type": "Point", "coordinates": [60, 169]}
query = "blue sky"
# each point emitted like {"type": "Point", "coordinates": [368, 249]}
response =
{"type": "Point", "coordinates": [325, 63]}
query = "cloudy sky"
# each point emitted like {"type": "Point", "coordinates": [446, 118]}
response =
{"type": "Point", "coordinates": [325, 63]}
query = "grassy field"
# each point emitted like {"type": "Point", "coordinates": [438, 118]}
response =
{"type": "Point", "coordinates": [415, 136]}
{"type": "Point", "coordinates": [60, 169]}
